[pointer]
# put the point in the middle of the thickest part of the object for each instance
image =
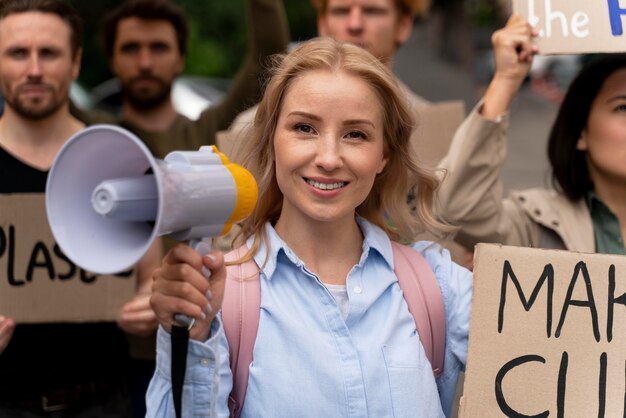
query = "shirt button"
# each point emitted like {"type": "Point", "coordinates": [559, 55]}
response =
{"type": "Point", "coordinates": [358, 290]}
{"type": "Point", "coordinates": [204, 362]}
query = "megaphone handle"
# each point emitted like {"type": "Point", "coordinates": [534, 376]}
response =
{"type": "Point", "coordinates": [203, 247]}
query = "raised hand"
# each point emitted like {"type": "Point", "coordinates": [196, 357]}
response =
{"type": "Point", "coordinates": [514, 52]}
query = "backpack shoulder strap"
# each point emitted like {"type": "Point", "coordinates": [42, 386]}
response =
{"type": "Point", "coordinates": [240, 316]}
{"type": "Point", "coordinates": [242, 304]}
{"type": "Point", "coordinates": [423, 296]}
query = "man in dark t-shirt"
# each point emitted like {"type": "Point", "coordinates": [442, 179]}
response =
{"type": "Point", "coordinates": [71, 370]}
{"type": "Point", "coordinates": [146, 43]}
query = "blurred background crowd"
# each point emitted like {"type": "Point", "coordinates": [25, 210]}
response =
{"type": "Point", "coordinates": [450, 45]}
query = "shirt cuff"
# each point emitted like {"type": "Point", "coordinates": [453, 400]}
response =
{"type": "Point", "coordinates": [502, 117]}
{"type": "Point", "coordinates": [202, 356]}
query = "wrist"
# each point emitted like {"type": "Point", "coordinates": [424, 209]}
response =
{"type": "Point", "coordinates": [499, 96]}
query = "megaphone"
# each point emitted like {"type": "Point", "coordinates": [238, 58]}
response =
{"type": "Point", "coordinates": [107, 198]}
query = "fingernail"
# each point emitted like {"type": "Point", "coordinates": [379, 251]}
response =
{"type": "Point", "coordinates": [208, 309]}
{"type": "Point", "coordinates": [209, 294]}
{"type": "Point", "coordinates": [211, 257]}
{"type": "Point", "coordinates": [202, 316]}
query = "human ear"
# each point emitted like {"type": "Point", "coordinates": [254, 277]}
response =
{"type": "Point", "coordinates": [404, 29]}
{"type": "Point", "coordinates": [381, 166]}
{"type": "Point", "coordinates": [76, 63]}
{"type": "Point", "coordinates": [581, 144]}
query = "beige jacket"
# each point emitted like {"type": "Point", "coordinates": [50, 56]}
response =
{"type": "Point", "coordinates": [471, 197]}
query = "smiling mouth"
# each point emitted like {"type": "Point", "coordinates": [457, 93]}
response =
{"type": "Point", "coordinates": [326, 186]}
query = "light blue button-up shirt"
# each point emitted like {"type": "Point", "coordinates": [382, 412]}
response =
{"type": "Point", "coordinates": [310, 362]}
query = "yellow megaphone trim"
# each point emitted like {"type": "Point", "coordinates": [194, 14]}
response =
{"type": "Point", "coordinates": [247, 191]}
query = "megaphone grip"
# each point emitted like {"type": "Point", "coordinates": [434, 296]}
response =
{"type": "Point", "coordinates": [202, 247]}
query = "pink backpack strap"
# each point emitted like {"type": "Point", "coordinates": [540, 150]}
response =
{"type": "Point", "coordinates": [240, 315]}
{"type": "Point", "coordinates": [423, 296]}
{"type": "Point", "coordinates": [242, 306]}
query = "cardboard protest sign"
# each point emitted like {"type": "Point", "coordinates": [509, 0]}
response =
{"type": "Point", "coordinates": [576, 26]}
{"type": "Point", "coordinates": [547, 334]}
{"type": "Point", "coordinates": [38, 283]}
{"type": "Point", "coordinates": [436, 125]}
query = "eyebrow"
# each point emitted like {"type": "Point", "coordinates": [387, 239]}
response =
{"type": "Point", "coordinates": [615, 98]}
{"type": "Point", "coordinates": [345, 123]}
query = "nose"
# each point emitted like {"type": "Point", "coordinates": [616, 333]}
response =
{"type": "Point", "coordinates": [145, 58]}
{"type": "Point", "coordinates": [34, 66]}
{"type": "Point", "coordinates": [355, 20]}
{"type": "Point", "coordinates": [328, 156]}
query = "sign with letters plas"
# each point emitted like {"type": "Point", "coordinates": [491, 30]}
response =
{"type": "Point", "coordinates": [576, 26]}
{"type": "Point", "coordinates": [38, 283]}
{"type": "Point", "coordinates": [547, 335]}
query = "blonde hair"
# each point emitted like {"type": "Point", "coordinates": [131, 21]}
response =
{"type": "Point", "coordinates": [412, 7]}
{"type": "Point", "coordinates": [386, 205]}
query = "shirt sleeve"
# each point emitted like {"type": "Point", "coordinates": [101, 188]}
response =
{"type": "Point", "coordinates": [456, 288]}
{"type": "Point", "coordinates": [208, 379]}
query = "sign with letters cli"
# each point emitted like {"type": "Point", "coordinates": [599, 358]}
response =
{"type": "Point", "coordinates": [547, 335]}
{"type": "Point", "coordinates": [38, 283]}
{"type": "Point", "coordinates": [576, 26]}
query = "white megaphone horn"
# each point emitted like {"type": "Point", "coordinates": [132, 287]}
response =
{"type": "Point", "coordinates": [107, 198]}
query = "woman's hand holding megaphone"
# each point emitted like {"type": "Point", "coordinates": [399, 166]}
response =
{"type": "Point", "coordinates": [180, 287]}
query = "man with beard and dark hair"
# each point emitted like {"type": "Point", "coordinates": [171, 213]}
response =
{"type": "Point", "coordinates": [75, 369]}
{"type": "Point", "coordinates": [146, 42]}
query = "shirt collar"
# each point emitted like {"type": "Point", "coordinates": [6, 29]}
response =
{"type": "Point", "coordinates": [374, 240]}
{"type": "Point", "coordinates": [597, 207]}
{"type": "Point", "coordinates": [591, 197]}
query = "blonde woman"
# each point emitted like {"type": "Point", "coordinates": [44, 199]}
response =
{"type": "Point", "coordinates": [335, 337]}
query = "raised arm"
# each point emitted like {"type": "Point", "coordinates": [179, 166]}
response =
{"type": "Point", "coordinates": [269, 35]}
{"type": "Point", "coordinates": [514, 51]}
{"type": "Point", "coordinates": [471, 193]}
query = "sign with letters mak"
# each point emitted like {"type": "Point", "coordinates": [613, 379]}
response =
{"type": "Point", "coordinates": [38, 283]}
{"type": "Point", "coordinates": [576, 26]}
{"type": "Point", "coordinates": [547, 335]}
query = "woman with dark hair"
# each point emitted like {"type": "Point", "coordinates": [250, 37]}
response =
{"type": "Point", "coordinates": [586, 210]}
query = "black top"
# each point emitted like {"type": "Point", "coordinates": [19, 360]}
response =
{"type": "Point", "coordinates": [46, 357]}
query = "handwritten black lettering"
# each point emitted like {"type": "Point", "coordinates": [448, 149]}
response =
{"type": "Point", "coordinates": [581, 268]}
{"type": "Point", "coordinates": [546, 276]}
{"type": "Point", "coordinates": [71, 266]}
{"type": "Point", "coordinates": [13, 281]}
{"type": "Point", "coordinates": [504, 406]}
{"type": "Point", "coordinates": [46, 262]}
{"type": "Point", "coordinates": [561, 385]}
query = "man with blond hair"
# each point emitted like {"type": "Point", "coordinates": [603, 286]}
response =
{"type": "Point", "coordinates": [379, 26]}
